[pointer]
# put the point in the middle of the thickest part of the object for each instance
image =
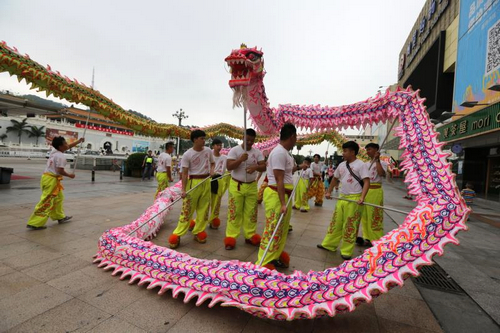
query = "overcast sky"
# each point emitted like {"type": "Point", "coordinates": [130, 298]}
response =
{"type": "Point", "coordinates": [158, 56]}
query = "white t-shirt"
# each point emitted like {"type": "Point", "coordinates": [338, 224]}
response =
{"type": "Point", "coordinates": [164, 161]}
{"type": "Point", "coordinates": [220, 164]}
{"type": "Point", "coordinates": [56, 160]}
{"type": "Point", "coordinates": [349, 184]}
{"type": "Point", "coordinates": [240, 173]}
{"type": "Point", "coordinates": [306, 174]}
{"type": "Point", "coordinates": [280, 159]}
{"type": "Point", "coordinates": [316, 167]}
{"type": "Point", "coordinates": [374, 177]}
{"type": "Point", "coordinates": [197, 162]}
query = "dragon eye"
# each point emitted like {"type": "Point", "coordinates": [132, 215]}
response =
{"type": "Point", "coordinates": [251, 56]}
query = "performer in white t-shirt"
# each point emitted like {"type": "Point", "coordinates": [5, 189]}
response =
{"type": "Point", "coordinates": [355, 180]}
{"type": "Point", "coordinates": [317, 188]}
{"type": "Point", "coordinates": [372, 220]}
{"type": "Point", "coordinates": [164, 168]}
{"type": "Point", "coordinates": [197, 164]}
{"type": "Point", "coordinates": [51, 202]}
{"type": "Point", "coordinates": [219, 186]}
{"type": "Point", "coordinates": [305, 181]}
{"type": "Point", "coordinates": [280, 168]}
{"type": "Point", "coordinates": [242, 198]}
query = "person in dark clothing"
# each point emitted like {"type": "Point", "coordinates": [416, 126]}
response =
{"type": "Point", "coordinates": [147, 164]}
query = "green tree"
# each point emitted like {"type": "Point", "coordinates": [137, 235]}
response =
{"type": "Point", "coordinates": [36, 132]}
{"type": "Point", "coordinates": [19, 127]}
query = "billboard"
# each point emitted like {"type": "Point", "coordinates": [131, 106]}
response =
{"type": "Point", "coordinates": [51, 133]}
{"type": "Point", "coordinates": [478, 55]}
{"type": "Point", "coordinates": [140, 146]}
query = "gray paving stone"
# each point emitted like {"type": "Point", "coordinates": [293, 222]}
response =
{"type": "Point", "coordinates": [363, 319]}
{"type": "Point", "coordinates": [116, 325]}
{"type": "Point", "coordinates": [390, 326]}
{"type": "Point", "coordinates": [32, 258]}
{"type": "Point", "coordinates": [11, 284]}
{"type": "Point", "coordinates": [410, 311]}
{"type": "Point", "coordinates": [72, 316]}
{"type": "Point", "coordinates": [29, 303]}
{"type": "Point", "coordinates": [56, 268]}
{"type": "Point", "coordinates": [4, 269]}
{"type": "Point", "coordinates": [114, 297]}
{"type": "Point", "coordinates": [160, 313]}
{"type": "Point", "coordinates": [218, 320]}
{"type": "Point", "coordinates": [257, 325]}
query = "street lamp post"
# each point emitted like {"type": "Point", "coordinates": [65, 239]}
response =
{"type": "Point", "coordinates": [179, 115]}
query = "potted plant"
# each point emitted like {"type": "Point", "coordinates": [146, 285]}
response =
{"type": "Point", "coordinates": [134, 164]}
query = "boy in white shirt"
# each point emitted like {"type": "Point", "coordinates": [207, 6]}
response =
{"type": "Point", "coordinates": [347, 215]}
{"type": "Point", "coordinates": [219, 186]}
{"type": "Point", "coordinates": [305, 180]}
{"type": "Point", "coordinates": [242, 199]}
{"type": "Point", "coordinates": [317, 188]}
{"type": "Point", "coordinates": [372, 220]}
{"type": "Point", "coordinates": [197, 164]}
{"type": "Point", "coordinates": [51, 202]}
{"type": "Point", "coordinates": [164, 168]}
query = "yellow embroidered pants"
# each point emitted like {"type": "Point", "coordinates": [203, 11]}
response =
{"type": "Point", "coordinates": [162, 179]}
{"type": "Point", "coordinates": [372, 219]}
{"type": "Point", "coordinates": [344, 225]}
{"type": "Point", "coordinates": [215, 199]}
{"type": "Point", "coordinates": [301, 198]}
{"type": "Point", "coordinates": [51, 201]}
{"type": "Point", "coordinates": [242, 209]}
{"type": "Point", "coordinates": [317, 190]}
{"type": "Point", "coordinates": [272, 204]}
{"type": "Point", "coordinates": [198, 200]}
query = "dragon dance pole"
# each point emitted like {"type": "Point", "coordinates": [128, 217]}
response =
{"type": "Point", "coordinates": [175, 201]}
{"type": "Point", "coordinates": [245, 136]}
{"type": "Point", "coordinates": [373, 205]}
{"type": "Point", "coordinates": [278, 224]}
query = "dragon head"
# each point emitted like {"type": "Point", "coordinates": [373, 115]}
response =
{"type": "Point", "coordinates": [246, 64]}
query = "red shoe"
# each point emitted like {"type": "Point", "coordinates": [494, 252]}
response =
{"type": "Point", "coordinates": [201, 237]}
{"type": "Point", "coordinates": [254, 240]}
{"type": "Point", "coordinates": [174, 241]}
{"type": "Point", "coordinates": [215, 223]}
{"type": "Point", "coordinates": [270, 266]}
{"type": "Point", "coordinates": [230, 243]}
{"type": "Point", "coordinates": [192, 224]}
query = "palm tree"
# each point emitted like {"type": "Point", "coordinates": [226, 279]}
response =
{"type": "Point", "coordinates": [3, 137]}
{"type": "Point", "coordinates": [36, 132]}
{"type": "Point", "coordinates": [19, 127]}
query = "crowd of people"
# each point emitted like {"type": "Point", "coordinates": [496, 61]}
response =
{"type": "Point", "coordinates": [206, 175]}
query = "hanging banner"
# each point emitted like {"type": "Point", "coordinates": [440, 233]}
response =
{"type": "Point", "coordinates": [51, 133]}
{"type": "Point", "coordinates": [107, 130]}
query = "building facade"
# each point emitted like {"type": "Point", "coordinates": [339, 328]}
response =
{"type": "Point", "coordinates": [473, 135]}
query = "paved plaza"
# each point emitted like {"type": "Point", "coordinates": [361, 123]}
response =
{"type": "Point", "coordinates": [48, 282]}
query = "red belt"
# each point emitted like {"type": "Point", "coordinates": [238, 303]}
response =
{"type": "Point", "coordinates": [198, 176]}
{"type": "Point", "coordinates": [287, 191]}
{"type": "Point", "coordinates": [240, 182]}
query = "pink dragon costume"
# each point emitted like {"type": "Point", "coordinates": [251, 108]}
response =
{"type": "Point", "coordinates": [439, 215]}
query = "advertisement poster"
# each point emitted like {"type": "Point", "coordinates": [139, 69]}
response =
{"type": "Point", "coordinates": [140, 146]}
{"type": "Point", "coordinates": [51, 133]}
{"type": "Point", "coordinates": [478, 55]}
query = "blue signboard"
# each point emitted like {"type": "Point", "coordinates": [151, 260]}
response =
{"type": "Point", "coordinates": [478, 54]}
{"type": "Point", "coordinates": [140, 146]}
